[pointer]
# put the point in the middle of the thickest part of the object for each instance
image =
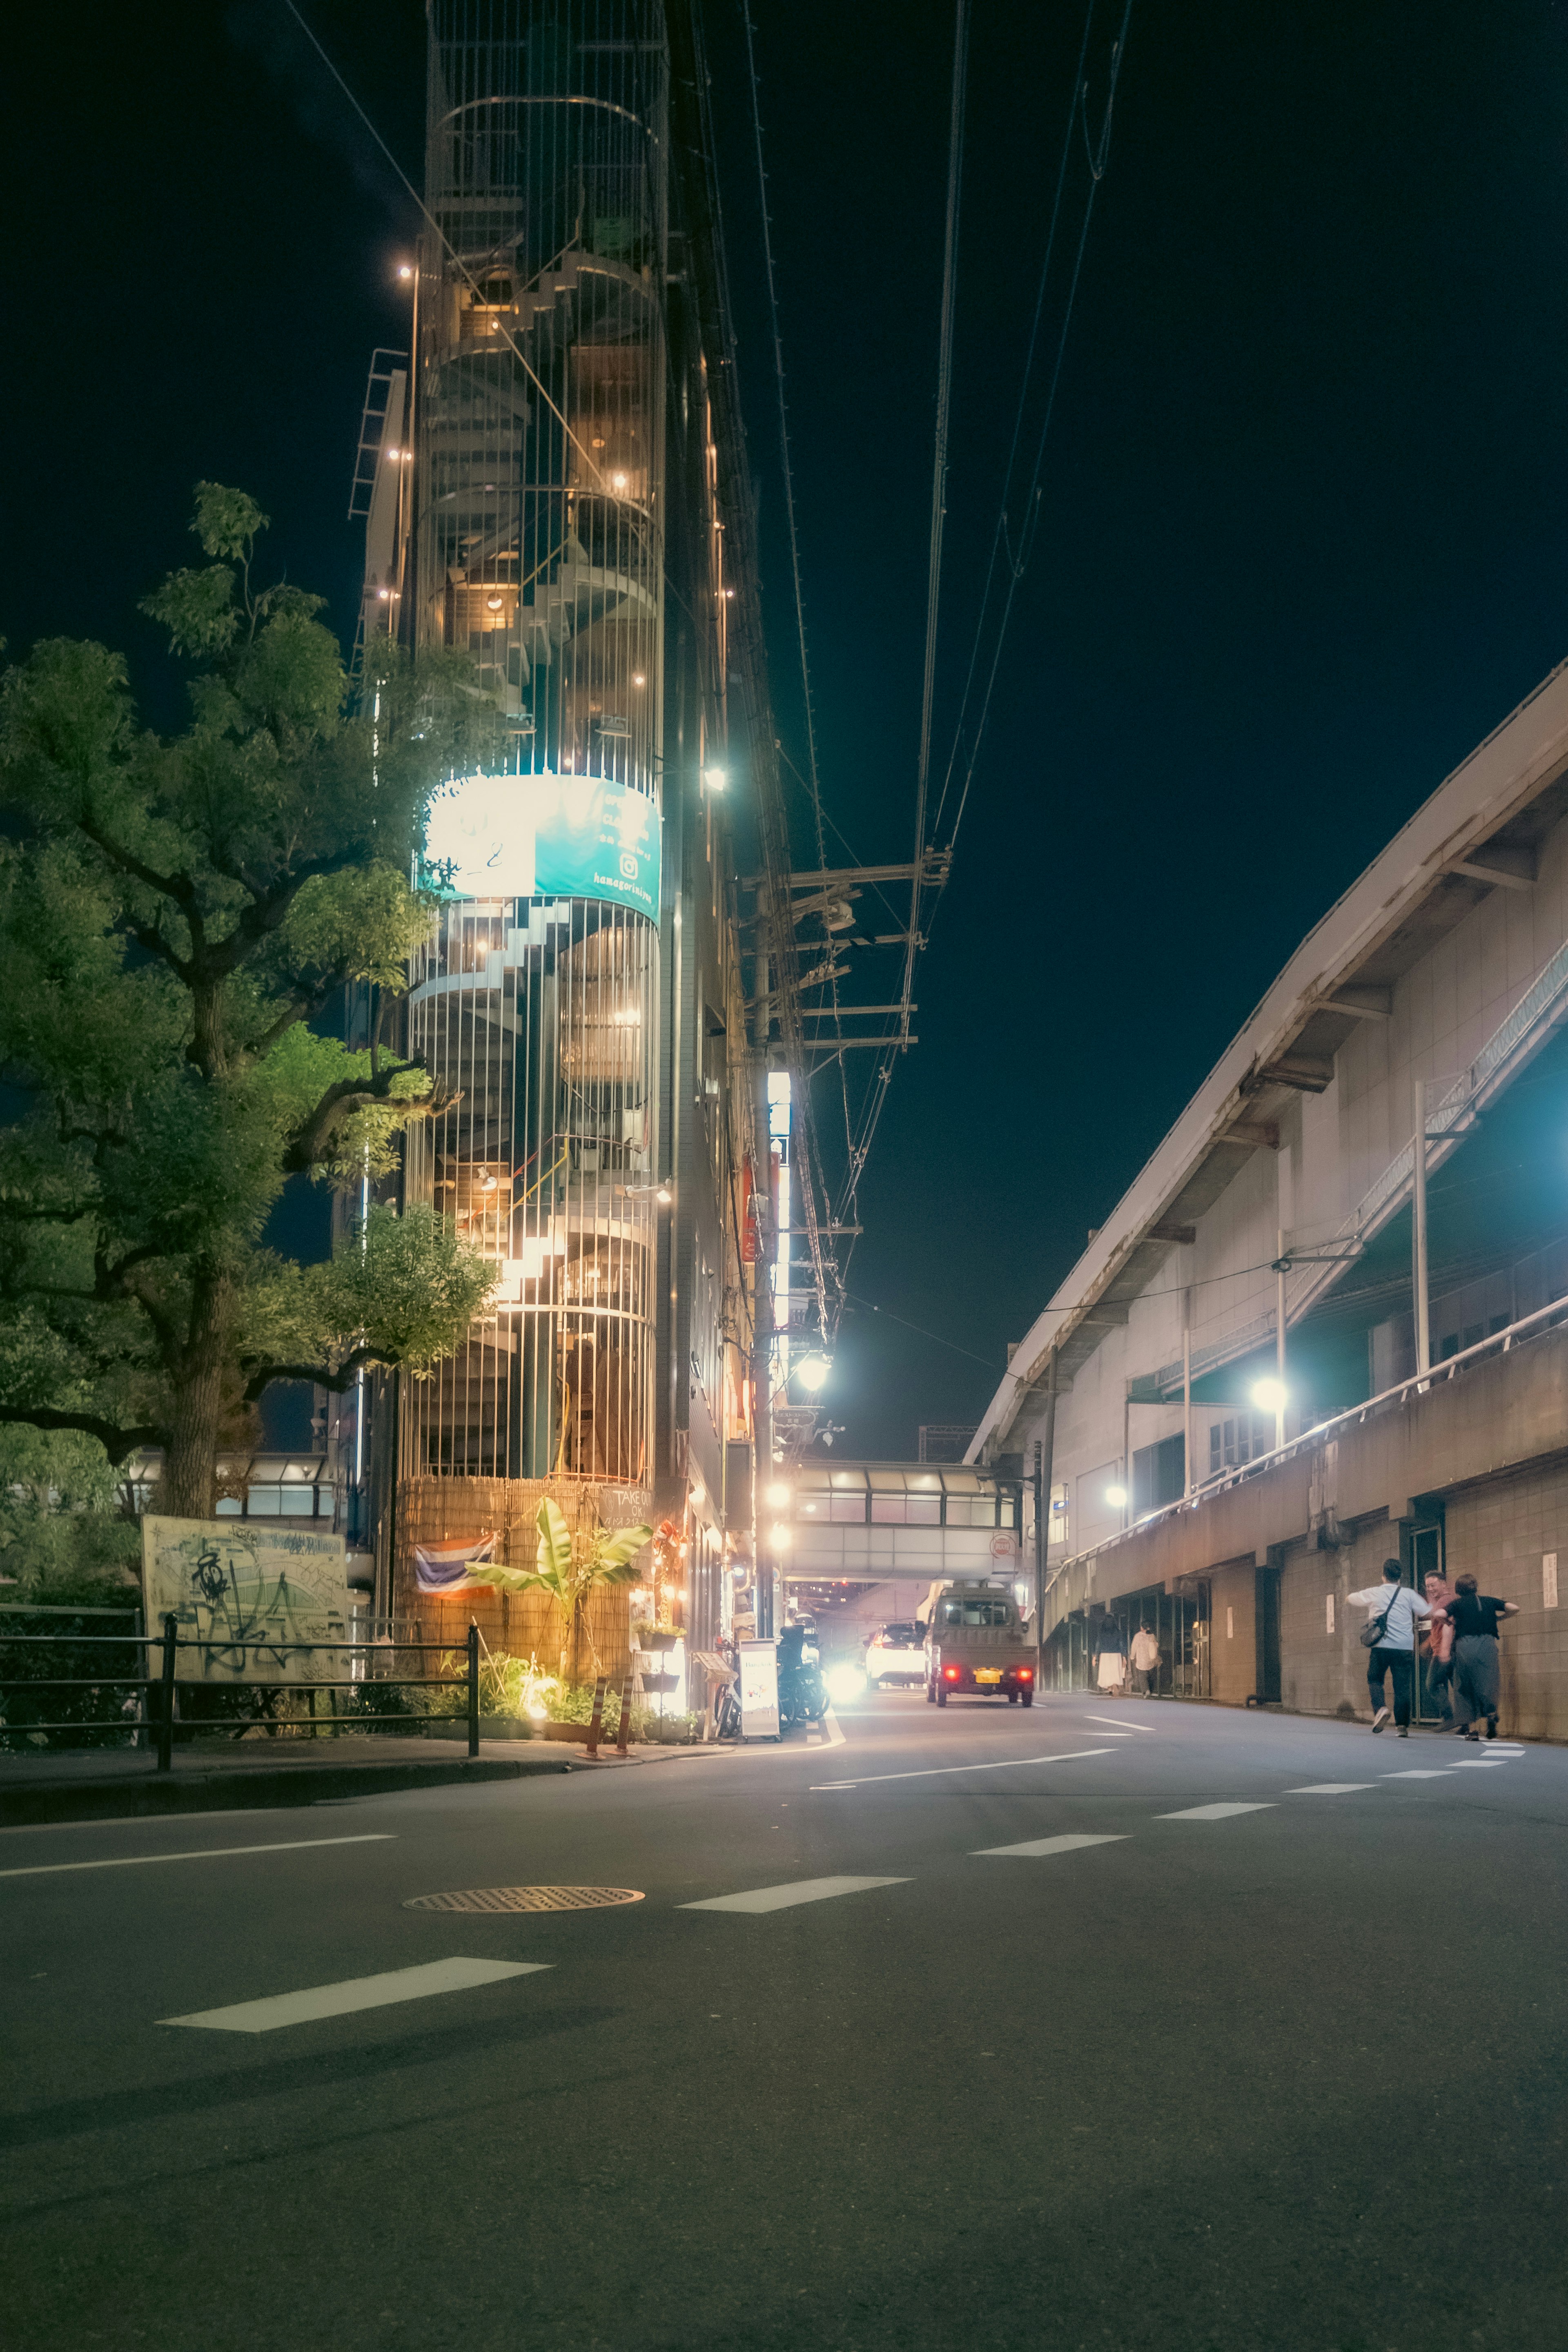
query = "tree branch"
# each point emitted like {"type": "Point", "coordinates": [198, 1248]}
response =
{"type": "Point", "coordinates": [348, 1095]}
{"type": "Point", "coordinates": [117, 1443]}
{"type": "Point", "coordinates": [321, 1374]}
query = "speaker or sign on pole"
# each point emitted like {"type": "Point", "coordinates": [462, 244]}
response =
{"type": "Point", "coordinates": [758, 1690]}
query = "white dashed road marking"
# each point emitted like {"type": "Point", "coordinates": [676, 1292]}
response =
{"type": "Point", "coordinates": [357, 1993]}
{"type": "Point", "coordinates": [1329, 1788]}
{"type": "Point", "coordinates": [939, 1771]}
{"type": "Point", "coordinates": [1435, 1775]}
{"type": "Point", "coordinates": [1130, 1728]}
{"type": "Point", "coordinates": [1049, 1845]}
{"type": "Point", "coordinates": [1212, 1813]}
{"type": "Point", "coordinates": [783, 1898]}
{"type": "Point", "coordinates": [198, 1853]}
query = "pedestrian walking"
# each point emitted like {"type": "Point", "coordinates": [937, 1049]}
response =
{"type": "Point", "coordinates": [1439, 1637]}
{"type": "Point", "coordinates": [1391, 1625]}
{"type": "Point", "coordinates": [1144, 1656]}
{"type": "Point", "coordinates": [1475, 1617]}
{"type": "Point", "coordinates": [1111, 1663]}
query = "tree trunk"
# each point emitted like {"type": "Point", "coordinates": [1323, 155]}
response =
{"type": "Point", "coordinates": [188, 1490]}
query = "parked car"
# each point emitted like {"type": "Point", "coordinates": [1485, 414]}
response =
{"type": "Point", "coordinates": [896, 1653]}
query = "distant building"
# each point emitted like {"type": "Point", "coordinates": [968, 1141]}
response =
{"type": "Point", "coordinates": [1265, 1379]}
{"type": "Point", "coordinates": [554, 491]}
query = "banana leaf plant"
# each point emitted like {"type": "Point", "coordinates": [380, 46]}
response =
{"type": "Point", "coordinates": [570, 1569]}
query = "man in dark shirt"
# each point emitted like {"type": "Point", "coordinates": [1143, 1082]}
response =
{"type": "Point", "coordinates": [1475, 1618]}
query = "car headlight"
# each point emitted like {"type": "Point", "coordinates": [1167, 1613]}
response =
{"type": "Point", "coordinates": [846, 1683]}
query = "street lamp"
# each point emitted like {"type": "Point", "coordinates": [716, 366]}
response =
{"type": "Point", "coordinates": [1270, 1396]}
{"type": "Point", "coordinates": [777, 1493]}
{"type": "Point", "coordinates": [813, 1371]}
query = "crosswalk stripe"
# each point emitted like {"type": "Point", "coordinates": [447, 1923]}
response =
{"type": "Point", "coordinates": [1212, 1813]}
{"type": "Point", "coordinates": [1435, 1775]}
{"type": "Point", "coordinates": [1049, 1845]}
{"type": "Point", "coordinates": [1329, 1788]}
{"type": "Point", "coordinates": [783, 1898]}
{"type": "Point", "coordinates": [354, 1993]}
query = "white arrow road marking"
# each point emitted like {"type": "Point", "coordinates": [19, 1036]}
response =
{"type": "Point", "coordinates": [1212, 1813]}
{"type": "Point", "coordinates": [782, 1898]}
{"type": "Point", "coordinates": [1049, 1845]}
{"type": "Point", "coordinates": [198, 1853]}
{"type": "Point", "coordinates": [357, 1992]}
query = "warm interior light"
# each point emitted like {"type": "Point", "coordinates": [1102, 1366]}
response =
{"type": "Point", "coordinates": [617, 481]}
{"type": "Point", "coordinates": [637, 678]}
{"type": "Point", "coordinates": [494, 603]}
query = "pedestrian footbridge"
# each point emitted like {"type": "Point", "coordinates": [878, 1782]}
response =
{"type": "Point", "coordinates": [879, 1522]}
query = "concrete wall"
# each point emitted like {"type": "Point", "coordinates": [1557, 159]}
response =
{"type": "Point", "coordinates": [1486, 1451]}
{"type": "Point", "coordinates": [1499, 1532]}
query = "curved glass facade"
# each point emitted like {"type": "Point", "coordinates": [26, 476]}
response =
{"type": "Point", "coordinates": [538, 534]}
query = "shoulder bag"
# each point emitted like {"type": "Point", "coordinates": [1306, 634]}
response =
{"type": "Point", "coordinates": [1372, 1632]}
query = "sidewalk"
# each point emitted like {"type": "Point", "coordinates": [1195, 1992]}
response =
{"type": "Point", "coordinates": [108, 1784]}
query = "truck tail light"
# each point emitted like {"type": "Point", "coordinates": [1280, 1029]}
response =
{"type": "Point", "coordinates": [1025, 1673]}
{"type": "Point", "coordinates": [950, 1674]}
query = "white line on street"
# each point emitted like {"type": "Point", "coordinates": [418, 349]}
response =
{"type": "Point", "coordinates": [1212, 1813]}
{"type": "Point", "coordinates": [782, 1898]}
{"type": "Point", "coordinates": [831, 1727]}
{"type": "Point", "coordinates": [1413, 1776]}
{"type": "Point", "coordinates": [1049, 1845]}
{"type": "Point", "coordinates": [1329, 1788]}
{"type": "Point", "coordinates": [936, 1771]}
{"type": "Point", "coordinates": [357, 1993]}
{"type": "Point", "coordinates": [1478, 1763]}
{"type": "Point", "coordinates": [198, 1853]}
{"type": "Point", "coordinates": [1112, 1718]}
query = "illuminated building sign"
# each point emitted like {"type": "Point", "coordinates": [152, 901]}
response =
{"type": "Point", "coordinates": [546, 837]}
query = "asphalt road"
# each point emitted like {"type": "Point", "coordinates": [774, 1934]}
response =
{"type": "Point", "coordinates": [1280, 2077]}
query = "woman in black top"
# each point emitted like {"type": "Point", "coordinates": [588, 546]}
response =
{"type": "Point", "coordinates": [1475, 1617]}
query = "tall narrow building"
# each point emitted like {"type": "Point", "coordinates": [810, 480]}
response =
{"type": "Point", "coordinates": [558, 525]}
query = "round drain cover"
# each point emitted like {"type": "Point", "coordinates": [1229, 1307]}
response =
{"type": "Point", "coordinates": [526, 1898]}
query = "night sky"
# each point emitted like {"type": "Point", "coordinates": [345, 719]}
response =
{"type": "Point", "coordinates": [1300, 547]}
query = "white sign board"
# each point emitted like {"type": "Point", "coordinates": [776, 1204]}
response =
{"type": "Point", "coordinates": [758, 1690]}
{"type": "Point", "coordinates": [252, 1594]}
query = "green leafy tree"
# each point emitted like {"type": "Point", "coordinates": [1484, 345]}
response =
{"type": "Point", "coordinates": [570, 1567]}
{"type": "Point", "coordinates": [175, 913]}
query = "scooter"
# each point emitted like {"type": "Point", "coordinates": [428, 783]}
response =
{"type": "Point", "coordinates": [803, 1694]}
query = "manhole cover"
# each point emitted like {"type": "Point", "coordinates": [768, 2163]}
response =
{"type": "Point", "coordinates": [526, 1898]}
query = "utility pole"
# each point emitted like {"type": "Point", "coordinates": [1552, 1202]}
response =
{"type": "Point", "coordinates": [1418, 1221]}
{"type": "Point", "coordinates": [763, 1295]}
{"type": "Point", "coordinates": [1044, 1451]}
{"type": "Point", "coordinates": [1187, 1481]}
{"type": "Point", "coordinates": [1279, 1343]}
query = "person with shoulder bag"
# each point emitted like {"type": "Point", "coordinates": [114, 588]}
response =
{"type": "Point", "coordinates": [1389, 1639]}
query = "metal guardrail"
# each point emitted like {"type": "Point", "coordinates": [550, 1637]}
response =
{"type": "Point", "coordinates": [166, 1682]}
{"type": "Point", "coordinates": [1497, 1343]}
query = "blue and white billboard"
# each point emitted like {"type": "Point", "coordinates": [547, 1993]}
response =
{"type": "Point", "coordinates": [546, 837]}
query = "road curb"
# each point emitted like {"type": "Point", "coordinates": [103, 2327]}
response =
{"type": "Point", "coordinates": [241, 1791]}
